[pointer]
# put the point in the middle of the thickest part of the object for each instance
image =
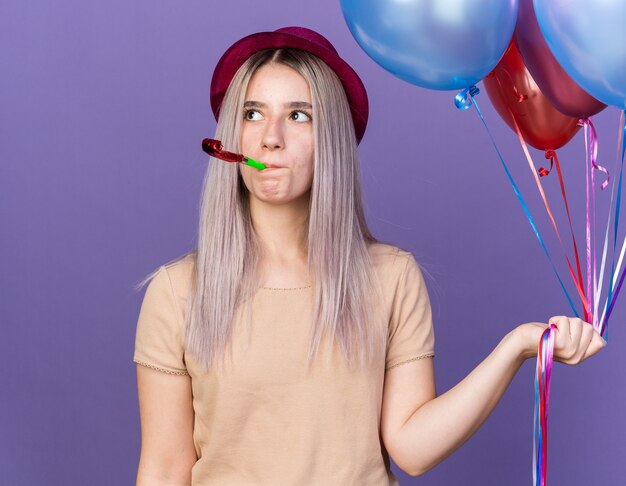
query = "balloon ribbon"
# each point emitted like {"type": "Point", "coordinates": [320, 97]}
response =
{"type": "Point", "coordinates": [551, 154]}
{"type": "Point", "coordinates": [621, 147]}
{"type": "Point", "coordinates": [542, 401]}
{"type": "Point", "coordinates": [591, 150]}
{"type": "Point", "coordinates": [463, 101]}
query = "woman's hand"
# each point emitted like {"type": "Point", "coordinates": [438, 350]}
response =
{"type": "Point", "coordinates": [575, 340]}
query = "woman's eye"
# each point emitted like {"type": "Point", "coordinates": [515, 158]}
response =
{"type": "Point", "coordinates": [252, 115]}
{"type": "Point", "coordinates": [300, 116]}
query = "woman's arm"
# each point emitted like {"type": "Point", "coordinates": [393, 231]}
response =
{"type": "Point", "coordinates": [166, 410]}
{"type": "Point", "coordinates": [418, 440]}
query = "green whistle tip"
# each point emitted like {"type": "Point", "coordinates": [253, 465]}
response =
{"type": "Point", "coordinates": [255, 164]}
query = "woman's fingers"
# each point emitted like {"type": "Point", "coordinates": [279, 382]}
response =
{"type": "Point", "coordinates": [586, 335]}
{"type": "Point", "coordinates": [596, 344]}
{"type": "Point", "coordinates": [575, 340]}
{"type": "Point", "coordinates": [564, 347]}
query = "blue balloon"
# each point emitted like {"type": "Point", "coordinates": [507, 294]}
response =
{"type": "Point", "coordinates": [588, 39]}
{"type": "Point", "coordinates": [436, 44]}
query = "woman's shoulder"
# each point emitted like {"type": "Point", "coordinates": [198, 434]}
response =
{"type": "Point", "coordinates": [181, 272]}
{"type": "Point", "coordinates": [388, 258]}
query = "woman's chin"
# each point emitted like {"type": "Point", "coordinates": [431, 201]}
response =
{"type": "Point", "coordinates": [277, 198]}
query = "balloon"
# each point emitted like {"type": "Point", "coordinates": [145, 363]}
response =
{"type": "Point", "coordinates": [588, 39]}
{"type": "Point", "coordinates": [443, 44]}
{"type": "Point", "coordinates": [562, 91]}
{"type": "Point", "coordinates": [512, 90]}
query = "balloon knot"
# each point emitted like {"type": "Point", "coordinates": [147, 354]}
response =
{"type": "Point", "coordinates": [550, 154]}
{"type": "Point", "coordinates": [463, 100]}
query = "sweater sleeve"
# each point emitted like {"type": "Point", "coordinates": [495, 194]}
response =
{"type": "Point", "coordinates": [158, 340]}
{"type": "Point", "coordinates": [411, 334]}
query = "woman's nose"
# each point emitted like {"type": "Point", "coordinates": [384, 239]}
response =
{"type": "Point", "coordinates": [273, 136]}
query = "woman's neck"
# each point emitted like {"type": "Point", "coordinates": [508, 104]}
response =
{"type": "Point", "coordinates": [282, 229]}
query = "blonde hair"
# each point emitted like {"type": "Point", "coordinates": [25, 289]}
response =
{"type": "Point", "coordinates": [227, 255]}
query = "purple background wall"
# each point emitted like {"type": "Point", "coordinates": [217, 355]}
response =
{"type": "Point", "coordinates": [102, 109]}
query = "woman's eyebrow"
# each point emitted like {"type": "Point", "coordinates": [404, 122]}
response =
{"type": "Point", "coordinates": [291, 104]}
{"type": "Point", "coordinates": [299, 104]}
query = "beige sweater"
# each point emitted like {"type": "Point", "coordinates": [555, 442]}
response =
{"type": "Point", "coordinates": [263, 420]}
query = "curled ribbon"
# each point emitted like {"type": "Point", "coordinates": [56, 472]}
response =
{"type": "Point", "coordinates": [593, 149]}
{"type": "Point", "coordinates": [550, 154]}
{"type": "Point", "coordinates": [463, 100]}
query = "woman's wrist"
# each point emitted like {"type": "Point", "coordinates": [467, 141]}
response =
{"type": "Point", "coordinates": [526, 338]}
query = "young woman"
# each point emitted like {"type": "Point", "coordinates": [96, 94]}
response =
{"type": "Point", "coordinates": [291, 347]}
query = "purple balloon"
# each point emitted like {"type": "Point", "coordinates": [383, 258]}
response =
{"type": "Point", "coordinates": [561, 90]}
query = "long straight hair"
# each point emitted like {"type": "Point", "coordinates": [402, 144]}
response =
{"type": "Point", "coordinates": [228, 252]}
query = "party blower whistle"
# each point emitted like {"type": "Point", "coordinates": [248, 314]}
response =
{"type": "Point", "coordinates": [215, 149]}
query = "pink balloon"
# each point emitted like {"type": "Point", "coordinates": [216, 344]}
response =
{"type": "Point", "coordinates": [563, 92]}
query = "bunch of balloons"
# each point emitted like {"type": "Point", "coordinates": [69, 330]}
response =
{"type": "Point", "coordinates": [568, 57]}
{"type": "Point", "coordinates": [547, 66]}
